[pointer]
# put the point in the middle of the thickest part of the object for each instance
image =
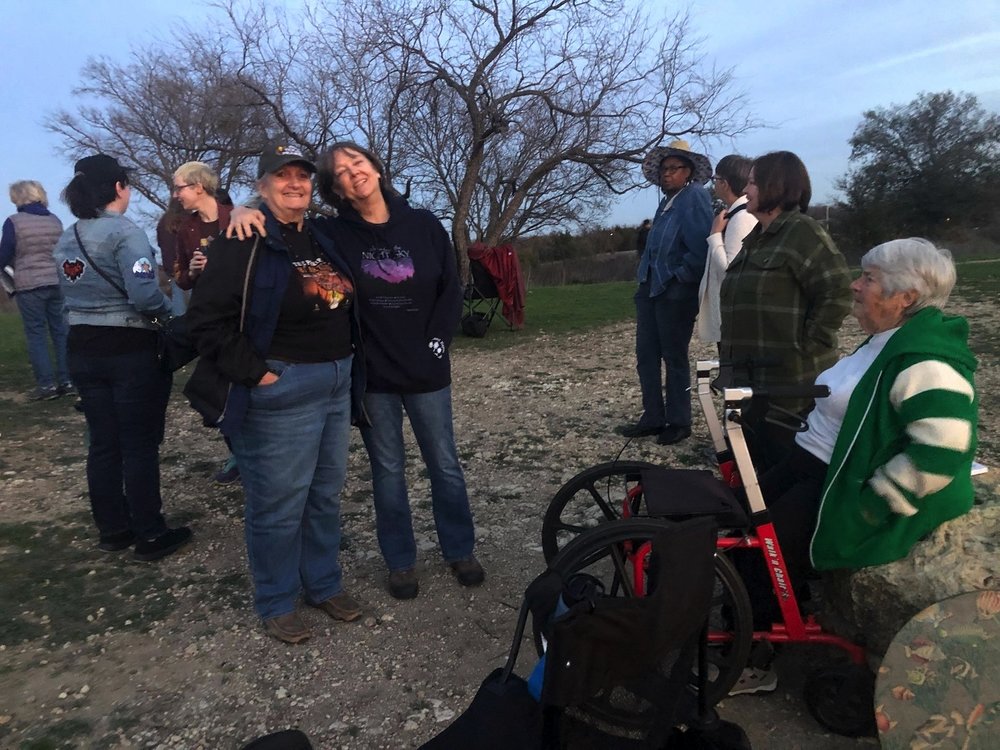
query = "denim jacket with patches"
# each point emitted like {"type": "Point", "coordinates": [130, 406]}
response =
{"type": "Point", "coordinates": [124, 254]}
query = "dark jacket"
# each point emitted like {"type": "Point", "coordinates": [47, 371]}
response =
{"type": "Point", "coordinates": [673, 260]}
{"type": "Point", "coordinates": [782, 301]}
{"type": "Point", "coordinates": [233, 362]}
{"type": "Point", "coordinates": [407, 285]}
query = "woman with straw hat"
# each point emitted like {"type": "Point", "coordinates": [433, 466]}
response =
{"type": "Point", "coordinates": [666, 301]}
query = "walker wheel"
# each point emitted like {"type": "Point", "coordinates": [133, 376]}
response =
{"type": "Point", "coordinates": [842, 699]}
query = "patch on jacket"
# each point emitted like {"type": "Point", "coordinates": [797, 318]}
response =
{"type": "Point", "coordinates": [73, 269]}
{"type": "Point", "coordinates": [143, 269]}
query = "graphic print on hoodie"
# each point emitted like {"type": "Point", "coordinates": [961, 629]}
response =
{"type": "Point", "coordinates": [393, 265]}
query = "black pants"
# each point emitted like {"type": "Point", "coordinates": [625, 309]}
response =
{"type": "Point", "coordinates": [124, 398]}
{"type": "Point", "coordinates": [791, 490]}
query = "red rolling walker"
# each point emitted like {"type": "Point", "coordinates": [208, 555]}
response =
{"type": "Point", "coordinates": [839, 697]}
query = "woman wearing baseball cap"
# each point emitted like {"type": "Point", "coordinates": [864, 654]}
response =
{"type": "Point", "coordinates": [275, 323]}
{"type": "Point", "coordinates": [107, 273]}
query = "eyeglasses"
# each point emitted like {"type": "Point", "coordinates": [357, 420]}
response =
{"type": "Point", "coordinates": [672, 169]}
{"type": "Point", "coordinates": [177, 188]}
{"type": "Point", "coordinates": [716, 178]}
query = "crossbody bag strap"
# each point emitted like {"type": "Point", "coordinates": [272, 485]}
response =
{"type": "Point", "coordinates": [118, 287]}
{"type": "Point", "coordinates": [246, 282]}
{"type": "Point", "coordinates": [731, 214]}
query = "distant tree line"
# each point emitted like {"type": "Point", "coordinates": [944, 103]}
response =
{"type": "Point", "coordinates": [928, 168]}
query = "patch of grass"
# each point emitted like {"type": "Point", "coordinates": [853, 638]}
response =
{"type": "Point", "coordinates": [421, 704]}
{"type": "Point", "coordinates": [971, 272]}
{"type": "Point", "coordinates": [57, 736]}
{"type": "Point", "coordinates": [39, 417]}
{"type": "Point", "coordinates": [558, 310]}
{"type": "Point", "coordinates": [55, 585]}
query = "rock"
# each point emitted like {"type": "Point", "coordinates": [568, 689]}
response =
{"type": "Point", "coordinates": [872, 604]}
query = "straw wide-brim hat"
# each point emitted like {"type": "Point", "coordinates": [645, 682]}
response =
{"type": "Point", "coordinates": [651, 164]}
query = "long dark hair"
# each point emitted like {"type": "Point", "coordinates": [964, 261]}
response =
{"type": "Point", "coordinates": [171, 219]}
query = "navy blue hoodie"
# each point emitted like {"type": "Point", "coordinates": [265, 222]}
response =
{"type": "Point", "coordinates": [410, 297]}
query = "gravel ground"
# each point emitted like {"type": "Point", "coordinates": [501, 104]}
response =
{"type": "Point", "coordinates": [99, 652]}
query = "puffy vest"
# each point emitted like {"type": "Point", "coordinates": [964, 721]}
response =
{"type": "Point", "coordinates": [34, 238]}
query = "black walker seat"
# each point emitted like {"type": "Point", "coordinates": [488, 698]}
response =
{"type": "Point", "coordinates": [690, 493]}
{"type": "Point", "coordinates": [619, 663]}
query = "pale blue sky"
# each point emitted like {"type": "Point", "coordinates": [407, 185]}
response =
{"type": "Point", "coordinates": [809, 68]}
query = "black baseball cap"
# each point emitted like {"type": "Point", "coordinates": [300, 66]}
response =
{"type": "Point", "coordinates": [101, 169]}
{"type": "Point", "coordinates": [277, 154]}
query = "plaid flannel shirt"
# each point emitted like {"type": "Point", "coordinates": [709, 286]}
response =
{"type": "Point", "coordinates": [783, 300]}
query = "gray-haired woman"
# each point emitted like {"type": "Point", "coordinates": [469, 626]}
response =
{"type": "Point", "coordinates": [26, 246]}
{"type": "Point", "coordinates": [887, 457]}
{"type": "Point", "coordinates": [277, 329]}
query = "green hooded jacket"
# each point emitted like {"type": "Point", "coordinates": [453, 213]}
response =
{"type": "Point", "coordinates": [901, 464]}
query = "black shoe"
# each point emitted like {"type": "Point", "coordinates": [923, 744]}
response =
{"type": "Point", "coordinates": [165, 544]}
{"type": "Point", "coordinates": [673, 433]}
{"type": "Point", "coordinates": [116, 542]}
{"type": "Point", "coordinates": [229, 473]}
{"type": "Point", "coordinates": [403, 584]}
{"type": "Point", "coordinates": [468, 571]}
{"type": "Point", "coordinates": [637, 430]}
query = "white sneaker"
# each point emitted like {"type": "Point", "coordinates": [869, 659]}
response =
{"type": "Point", "coordinates": [755, 680]}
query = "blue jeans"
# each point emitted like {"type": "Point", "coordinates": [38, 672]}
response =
{"type": "Point", "coordinates": [292, 454]}
{"type": "Point", "coordinates": [124, 398]}
{"type": "Point", "coordinates": [663, 330]}
{"type": "Point", "coordinates": [178, 299]}
{"type": "Point", "coordinates": [43, 316]}
{"type": "Point", "coordinates": [430, 418]}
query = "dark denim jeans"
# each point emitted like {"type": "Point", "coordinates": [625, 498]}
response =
{"type": "Point", "coordinates": [663, 328]}
{"type": "Point", "coordinates": [124, 399]}
{"type": "Point", "coordinates": [292, 454]}
{"type": "Point", "coordinates": [43, 316]}
{"type": "Point", "coordinates": [430, 418]}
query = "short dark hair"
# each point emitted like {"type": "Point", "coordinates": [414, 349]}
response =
{"type": "Point", "coordinates": [325, 180]}
{"type": "Point", "coordinates": [782, 182]}
{"type": "Point", "coordinates": [85, 198]}
{"type": "Point", "coordinates": [735, 170]}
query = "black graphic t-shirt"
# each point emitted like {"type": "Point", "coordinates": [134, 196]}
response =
{"type": "Point", "coordinates": [314, 324]}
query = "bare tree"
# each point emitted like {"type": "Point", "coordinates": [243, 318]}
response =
{"type": "Point", "coordinates": [163, 107]}
{"type": "Point", "coordinates": [514, 116]}
{"type": "Point", "coordinates": [505, 117]}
